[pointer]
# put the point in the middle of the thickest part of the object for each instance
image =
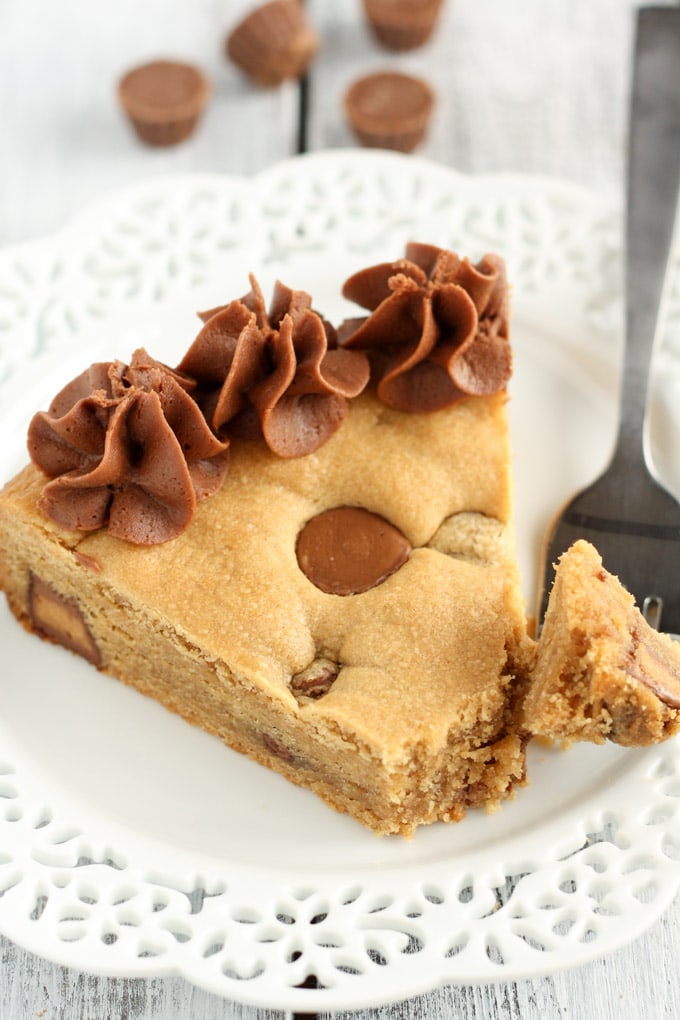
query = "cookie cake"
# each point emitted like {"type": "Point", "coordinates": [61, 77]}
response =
{"type": "Point", "coordinates": [300, 538]}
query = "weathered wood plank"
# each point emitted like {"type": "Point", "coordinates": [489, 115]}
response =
{"type": "Point", "coordinates": [533, 87]}
{"type": "Point", "coordinates": [65, 141]}
{"type": "Point", "coordinates": [637, 983]}
{"type": "Point", "coordinates": [536, 87]}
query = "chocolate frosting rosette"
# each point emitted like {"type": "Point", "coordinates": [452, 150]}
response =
{"type": "Point", "coordinates": [127, 447]}
{"type": "Point", "coordinates": [274, 371]}
{"type": "Point", "coordinates": [438, 328]}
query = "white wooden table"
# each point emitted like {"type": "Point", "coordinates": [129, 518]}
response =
{"type": "Point", "coordinates": [532, 87]}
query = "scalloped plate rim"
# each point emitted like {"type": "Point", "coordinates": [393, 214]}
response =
{"type": "Point", "coordinates": [325, 998]}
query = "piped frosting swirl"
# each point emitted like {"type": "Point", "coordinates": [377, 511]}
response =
{"type": "Point", "coordinates": [126, 447]}
{"type": "Point", "coordinates": [276, 371]}
{"type": "Point", "coordinates": [134, 447]}
{"type": "Point", "coordinates": [438, 328]}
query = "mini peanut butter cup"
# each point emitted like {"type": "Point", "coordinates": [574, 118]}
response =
{"type": "Point", "coordinates": [389, 110]}
{"type": "Point", "coordinates": [272, 43]}
{"type": "Point", "coordinates": [164, 100]}
{"type": "Point", "coordinates": [402, 24]}
{"type": "Point", "coordinates": [347, 550]}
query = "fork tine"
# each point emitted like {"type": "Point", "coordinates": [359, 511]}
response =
{"type": "Point", "coordinates": [631, 520]}
{"type": "Point", "coordinates": [642, 548]}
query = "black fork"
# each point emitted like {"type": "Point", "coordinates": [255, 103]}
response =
{"type": "Point", "coordinates": [626, 514]}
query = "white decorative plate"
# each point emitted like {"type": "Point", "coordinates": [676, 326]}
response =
{"type": "Point", "coordinates": [131, 843]}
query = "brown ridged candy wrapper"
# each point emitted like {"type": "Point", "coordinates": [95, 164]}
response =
{"type": "Point", "coordinates": [389, 110]}
{"type": "Point", "coordinates": [273, 43]}
{"type": "Point", "coordinates": [164, 100]}
{"type": "Point", "coordinates": [402, 24]}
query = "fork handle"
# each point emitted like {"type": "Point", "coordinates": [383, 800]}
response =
{"type": "Point", "coordinates": [652, 193]}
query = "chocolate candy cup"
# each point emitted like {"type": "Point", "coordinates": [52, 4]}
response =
{"type": "Point", "coordinates": [272, 43]}
{"type": "Point", "coordinates": [347, 549]}
{"type": "Point", "coordinates": [389, 110]}
{"type": "Point", "coordinates": [402, 24]}
{"type": "Point", "coordinates": [164, 100]}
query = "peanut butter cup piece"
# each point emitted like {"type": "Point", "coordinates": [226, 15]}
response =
{"type": "Point", "coordinates": [59, 619]}
{"type": "Point", "coordinates": [347, 550]}
{"type": "Point", "coordinates": [164, 100]}
{"type": "Point", "coordinates": [402, 24]}
{"type": "Point", "coordinates": [315, 680]}
{"type": "Point", "coordinates": [273, 43]}
{"type": "Point", "coordinates": [389, 110]}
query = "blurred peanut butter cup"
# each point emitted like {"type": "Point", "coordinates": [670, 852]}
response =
{"type": "Point", "coordinates": [389, 110]}
{"type": "Point", "coordinates": [164, 100]}
{"type": "Point", "coordinates": [273, 42]}
{"type": "Point", "coordinates": [402, 24]}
